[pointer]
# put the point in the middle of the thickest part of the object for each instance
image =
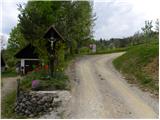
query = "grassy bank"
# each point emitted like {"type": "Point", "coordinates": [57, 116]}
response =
{"type": "Point", "coordinates": [106, 51]}
{"type": "Point", "coordinates": [140, 65]}
{"type": "Point", "coordinates": [7, 107]}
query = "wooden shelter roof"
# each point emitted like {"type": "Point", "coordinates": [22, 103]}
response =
{"type": "Point", "coordinates": [27, 52]}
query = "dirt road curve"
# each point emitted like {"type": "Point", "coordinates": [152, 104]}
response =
{"type": "Point", "coordinates": [99, 91]}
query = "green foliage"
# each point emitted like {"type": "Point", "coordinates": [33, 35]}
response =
{"type": "Point", "coordinates": [8, 107]}
{"type": "Point", "coordinates": [72, 19]}
{"type": "Point", "coordinates": [9, 58]}
{"type": "Point", "coordinates": [9, 73]}
{"type": "Point", "coordinates": [16, 40]}
{"type": "Point", "coordinates": [60, 59]}
{"type": "Point", "coordinates": [26, 82]}
{"type": "Point", "coordinates": [157, 25]}
{"type": "Point", "coordinates": [133, 62]}
{"type": "Point", "coordinates": [15, 43]}
{"type": "Point", "coordinates": [85, 50]}
{"type": "Point", "coordinates": [106, 50]}
{"type": "Point", "coordinates": [147, 29]}
{"type": "Point", "coordinates": [59, 81]}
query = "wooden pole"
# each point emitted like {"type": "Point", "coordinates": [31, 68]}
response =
{"type": "Point", "coordinates": [18, 88]}
{"type": "Point", "coordinates": [51, 65]}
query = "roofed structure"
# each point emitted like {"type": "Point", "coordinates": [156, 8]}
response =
{"type": "Point", "coordinates": [27, 52]}
{"type": "Point", "coordinates": [53, 32]}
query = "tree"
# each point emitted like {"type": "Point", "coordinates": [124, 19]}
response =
{"type": "Point", "coordinates": [157, 26]}
{"type": "Point", "coordinates": [147, 29]}
{"type": "Point", "coordinates": [73, 19]}
{"type": "Point", "coordinates": [3, 42]}
{"type": "Point", "coordinates": [35, 19]}
{"type": "Point", "coordinates": [16, 42]}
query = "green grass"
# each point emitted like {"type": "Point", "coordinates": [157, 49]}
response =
{"type": "Point", "coordinates": [7, 107]}
{"type": "Point", "coordinates": [106, 51]}
{"type": "Point", "coordinates": [9, 73]}
{"type": "Point", "coordinates": [133, 62]}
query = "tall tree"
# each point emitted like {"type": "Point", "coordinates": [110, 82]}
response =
{"type": "Point", "coordinates": [16, 42]}
{"type": "Point", "coordinates": [147, 29]}
{"type": "Point", "coordinates": [157, 25]}
{"type": "Point", "coordinates": [72, 18]}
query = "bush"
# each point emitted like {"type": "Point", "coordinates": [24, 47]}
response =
{"type": "Point", "coordinates": [9, 73]}
{"type": "Point", "coordinates": [84, 50]}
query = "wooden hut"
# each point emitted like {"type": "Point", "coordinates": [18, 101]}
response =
{"type": "Point", "coordinates": [28, 59]}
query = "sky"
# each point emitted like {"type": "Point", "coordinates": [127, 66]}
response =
{"type": "Point", "coordinates": [114, 18]}
{"type": "Point", "coordinates": [121, 18]}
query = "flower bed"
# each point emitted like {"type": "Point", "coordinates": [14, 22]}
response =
{"type": "Point", "coordinates": [40, 80]}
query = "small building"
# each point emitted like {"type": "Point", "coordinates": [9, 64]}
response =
{"type": "Point", "coordinates": [28, 59]}
{"type": "Point", "coordinates": [93, 47]}
{"type": "Point", "coordinates": [3, 64]}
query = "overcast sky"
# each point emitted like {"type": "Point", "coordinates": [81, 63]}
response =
{"type": "Point", "coordinates": [115, 18]}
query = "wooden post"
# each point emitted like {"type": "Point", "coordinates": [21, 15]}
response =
{"type": "Point", "coordinates": [51, 66]}
{"type": "Point", "coordinates": [52, 61]}
{"type": "Point", "coordinates": [18, 88]}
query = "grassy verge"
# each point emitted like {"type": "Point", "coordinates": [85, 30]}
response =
{"type": "Point", "coordinates": [9, 73]}
{"type": "Point", "coordinates": [106, 51]}
{"type": "Point", "coordinates": [132, 64]}
{"type": "Point", "coordinates": [7, 107]}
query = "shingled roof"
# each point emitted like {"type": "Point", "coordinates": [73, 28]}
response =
{"type": "Point", "coordinates": [27, 52]}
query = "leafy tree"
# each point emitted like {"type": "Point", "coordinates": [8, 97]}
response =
{"type": "Point", "coordinates": [157, 26]}
{"type": "Point", "coordinates": [16, 42]}
{"type": "Point", "coordinates": [73, 19]}
{"type": "Point", "coordinates": [3, 42]}
{"type": "Point", "coordinates": [35, 19]}
{"type": "Point", "coordinates": [147, 29]}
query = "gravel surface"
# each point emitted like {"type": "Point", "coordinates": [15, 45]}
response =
{"type": "Point", "coordinates": [99, 91]}
{"type": "Point", "coordinates": [64, 96]}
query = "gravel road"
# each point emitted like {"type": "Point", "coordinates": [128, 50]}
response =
{"type": "Point", "coordinates": [100, 91]}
